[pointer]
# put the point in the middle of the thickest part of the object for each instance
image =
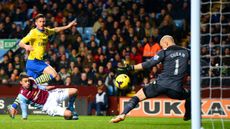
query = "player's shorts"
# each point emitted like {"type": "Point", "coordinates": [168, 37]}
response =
{"type": "Point", "coordinates": [153, 90]}
{"type": "Point", "coordinates": [34, 68]}
{"type": "Point", "coordinates": [56, 96]}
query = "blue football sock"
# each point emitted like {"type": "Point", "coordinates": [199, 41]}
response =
{"type": "Point", "coordinates": [71, 102]}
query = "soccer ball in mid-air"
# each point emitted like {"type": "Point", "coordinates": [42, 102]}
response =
{"type": "Point", "coordinates": [122, 81]}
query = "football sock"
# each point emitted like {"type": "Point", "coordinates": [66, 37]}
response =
{"type": "Point", "coordinates": [16, 103]}
{"type": "Point", "coordinates": [188, 106]}
{"type": "Point", "coordinates": [43, 78]}
{"type": "Point", "coordinates": [71, 102]}
{"type": "Point", "coordinates": [131, 104]}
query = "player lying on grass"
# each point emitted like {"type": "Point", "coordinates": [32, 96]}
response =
{"type": "Point", "coordinates": [46, 98]}
{"type": "Point", "coordinates": [170, 82]}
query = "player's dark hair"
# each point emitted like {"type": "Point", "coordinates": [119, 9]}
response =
{"type": "Point", "coordinates": [22, 75]}
{"type": "Point", "coordinates": [39, 16]}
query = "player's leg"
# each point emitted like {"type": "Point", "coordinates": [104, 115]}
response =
{"type": "Point", "coordinates": [139, 96]}
{"type": "Point", "coordinates": [59, 95]}
{"type": "Point", "coordinates": [72, 97]}
{"type": "Point", "coordinates": [152, 90]}
{"type": "Point", "coordinates": [53, 109]}
{"type": "Point", "coordinates": [187, 97]}
{"type": "Point", "coordinates": [182, 95]}
{"type": "Point", "coordinates": [48, 74]}
{"type": "Point", "coordinates": [187, 115]}
{"type": "Point", "coordinates": [40, 71]}
{"type": "Point", "coordinates": [68, 115]}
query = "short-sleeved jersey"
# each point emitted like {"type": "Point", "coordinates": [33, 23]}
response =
{"type": "Point", "coordinates": [175, 65]}
{"type": "Point", "coordinates": [38, 40]}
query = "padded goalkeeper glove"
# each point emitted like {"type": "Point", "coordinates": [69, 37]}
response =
{"type": "Point", "coordinates": [127, 68]}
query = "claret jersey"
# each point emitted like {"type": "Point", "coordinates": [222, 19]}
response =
{"type": "Point", "coordinates": [35, 94]}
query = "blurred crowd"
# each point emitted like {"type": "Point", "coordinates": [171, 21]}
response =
{"type": "Point", "coordinates": [215, 43]}
{"type": "Point", "coordinates": [121, 31]}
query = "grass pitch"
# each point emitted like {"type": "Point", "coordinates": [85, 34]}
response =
{"type": "Point", "coordinates": [102, 122]}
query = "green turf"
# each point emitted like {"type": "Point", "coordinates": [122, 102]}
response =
{"type": "Point", "coordinates": [102, 122]}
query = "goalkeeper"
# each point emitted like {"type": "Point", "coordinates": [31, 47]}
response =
{"type": "Point", "coordinates": [175, 65]}
{"type": "Point", "coordinates": [46, 98]}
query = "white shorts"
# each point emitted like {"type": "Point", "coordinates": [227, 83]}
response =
{"type": "Point", "coordinates": [56, 96]}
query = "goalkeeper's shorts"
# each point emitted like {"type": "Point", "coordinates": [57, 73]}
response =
{"type": "Point", "coordinates": [153, 90]}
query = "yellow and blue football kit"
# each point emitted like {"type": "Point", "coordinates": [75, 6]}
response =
{"type": "Point", "coordinates": [38, 39]}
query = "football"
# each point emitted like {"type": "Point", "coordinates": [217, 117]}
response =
{"type": "Point", "coordinates": [122, 81]}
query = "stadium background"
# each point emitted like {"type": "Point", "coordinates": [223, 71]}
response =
{"type": "Point", "coordinates": [108, 33]}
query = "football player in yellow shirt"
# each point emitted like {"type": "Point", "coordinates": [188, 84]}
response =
{"type": "Point", "coordinates": [38, 39]}
{"type": "Point", "coordinates": [35, 42]}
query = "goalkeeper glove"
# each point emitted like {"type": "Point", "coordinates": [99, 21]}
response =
{"type": "Point", "coordinates": [127, 68]}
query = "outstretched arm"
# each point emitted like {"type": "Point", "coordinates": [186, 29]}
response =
{"type": "Point", "coordinates": [159, 57]}
{"type": "Point", "coordinates": [137, 67]}
{"type": "Point", "coordinates": [58, 29]}
{"type": "Point", "coordinates": [145, 65]}
{"type": "Point", "coordinates": [24, 106]}
{"type": "Point", "coordinates": [46, 87]}
{"type": "Point", "coordinates": [150, 63]}
{"type": "Point", "coordinates": [50, 87]}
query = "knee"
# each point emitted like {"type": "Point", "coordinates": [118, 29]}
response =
{"type": "Point", "coordinates": [68, 114]}
{"type": "Point", "coordinates": [75, 91]}
{"type": "Point", "coordinates": [54, 74]}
